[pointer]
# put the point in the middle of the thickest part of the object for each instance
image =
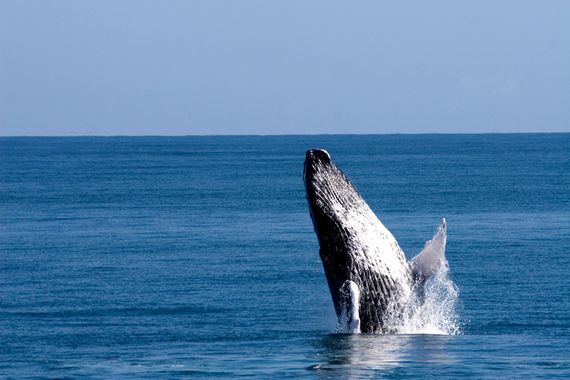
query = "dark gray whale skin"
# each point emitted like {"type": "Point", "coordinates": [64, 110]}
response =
{"type": "Point", "coordinates": [344, 225]}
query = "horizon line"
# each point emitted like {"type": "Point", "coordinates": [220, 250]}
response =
{"type": "Point", "coordinates": [289, 134]}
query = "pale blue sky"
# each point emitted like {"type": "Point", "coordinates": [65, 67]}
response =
{"type": "Point", "coordinates": [283, 67]}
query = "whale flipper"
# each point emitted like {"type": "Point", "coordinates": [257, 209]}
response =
{"type": "Point", "coordinates": [432, 257]}
{"type": "Point", "coordinates": [349, 320]}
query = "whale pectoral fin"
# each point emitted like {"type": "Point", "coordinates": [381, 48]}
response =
{"type": "Point", "coordinates": [349, 318]}
{"type": "Point", "coordinates": [432, 257]}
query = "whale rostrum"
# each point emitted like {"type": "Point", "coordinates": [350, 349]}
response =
{"type": "Point", "coordinates": [367, 272]}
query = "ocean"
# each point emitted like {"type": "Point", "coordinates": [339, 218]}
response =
{"type": "Point", "coordinates": [167, 257]}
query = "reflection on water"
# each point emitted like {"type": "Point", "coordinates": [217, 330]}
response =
{"type": "Point", "coordinates": [364, 355]}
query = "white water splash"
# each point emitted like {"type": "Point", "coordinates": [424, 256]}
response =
{"type": "Point", "coordinates": [431, 310]}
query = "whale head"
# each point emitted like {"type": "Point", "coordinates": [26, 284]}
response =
{"type": "Point", "coordinates": [330, 195]}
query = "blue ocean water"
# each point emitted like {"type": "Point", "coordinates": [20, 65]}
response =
{"type": "Point", "coordinates": [155, 257]}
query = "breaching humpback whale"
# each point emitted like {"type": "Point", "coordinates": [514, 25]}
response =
{"type": "Point", "coordinates": [367, 273]}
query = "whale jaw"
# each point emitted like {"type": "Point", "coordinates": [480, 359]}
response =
{"type": "Point", "coordinates": [355, 248]}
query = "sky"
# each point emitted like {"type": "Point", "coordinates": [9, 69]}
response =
{"type": "Point", "coordinates": [136, 67]}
